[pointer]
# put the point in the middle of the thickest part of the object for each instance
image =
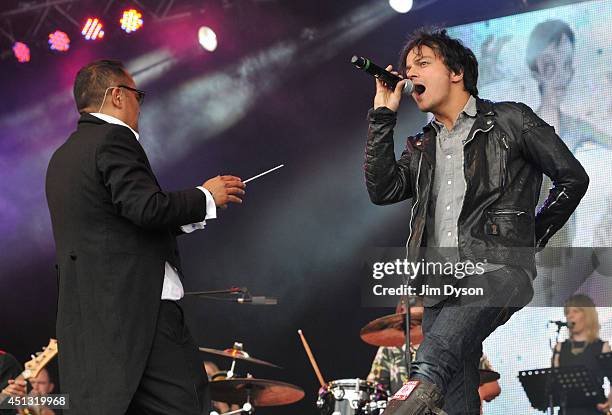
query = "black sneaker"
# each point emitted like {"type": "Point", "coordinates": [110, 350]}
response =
{"type": "Point", "coordinates": [416, 398]}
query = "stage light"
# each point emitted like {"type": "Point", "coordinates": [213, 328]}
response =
{"type": "Point", "coordinates": [207, 38]}
{"type": "Point", "coordinates": [131, 20]}
{"type": "Point", "coordinates": [401, 6]}
{"type": "Point", "coordinates": [93, 29]}
{"type": "Point", "coordinates": [59, 41]}
{"type": "Point", "coordinates": [22, 52]}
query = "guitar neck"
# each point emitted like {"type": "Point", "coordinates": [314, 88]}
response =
{"type": "Point", "coordinates": [34, 366]}
{"type": "Point", "coordinates": [4, 396]}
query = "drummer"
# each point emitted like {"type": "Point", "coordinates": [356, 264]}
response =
{"type": "Point", "coordinates": [389, 366]}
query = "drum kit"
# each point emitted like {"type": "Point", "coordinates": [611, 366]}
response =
{"type": "Point", "coordinates": [359, 396]}
{"type": "Point", "coordinates": [336, 397]}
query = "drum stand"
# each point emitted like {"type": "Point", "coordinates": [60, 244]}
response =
{"type": "Point", "coordinates": [247, 408]}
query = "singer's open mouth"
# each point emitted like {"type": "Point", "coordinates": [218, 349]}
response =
{"type": "Point", "coordinates": [419, 89]}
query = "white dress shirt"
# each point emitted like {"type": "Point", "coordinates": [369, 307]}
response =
{"type": "Point", "coordinates": [172, 288]}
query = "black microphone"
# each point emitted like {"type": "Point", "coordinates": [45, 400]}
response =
{"type": "Point", "coordinates": [377, 72]}
{"type": "Point", "coordinates": [258, 300]}
{"type": "Point", "coordinates": [568, 324]}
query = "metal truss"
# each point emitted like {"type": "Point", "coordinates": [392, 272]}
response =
{"type": "Point", "coordinates": [24, 21]}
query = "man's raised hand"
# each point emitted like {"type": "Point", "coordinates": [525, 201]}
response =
{"type": "Point", "coordinates": [386, 97]}
{"type": "Point", "coordinates": [224, 189]}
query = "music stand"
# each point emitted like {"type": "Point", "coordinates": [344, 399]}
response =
{"type": "Point", "coordinates": [570, 384]}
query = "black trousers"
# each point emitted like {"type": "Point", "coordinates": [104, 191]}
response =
{"type": "Point", "coordinates": [174, 381]}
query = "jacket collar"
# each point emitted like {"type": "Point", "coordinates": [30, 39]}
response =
{"type": "Point", "coordinates": [96, 118]}
{"type": "Point", "coordinates": [484, 107]}
{"type": "Point", "coordinates": [485, 119]}
{"type": "Point", "coordinates": [87, 118]}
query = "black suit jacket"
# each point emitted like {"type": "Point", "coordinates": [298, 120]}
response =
{"type": "Point", "coordinates": [114, 229]}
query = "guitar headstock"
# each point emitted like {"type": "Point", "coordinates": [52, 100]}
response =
{"type": "Point", "coordinates": [40, 360]}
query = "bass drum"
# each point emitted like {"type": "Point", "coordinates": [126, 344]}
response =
{"type": "Point", "coordinates": [352, 397]}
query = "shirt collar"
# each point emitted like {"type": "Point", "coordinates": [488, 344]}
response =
{"type": "Point", "coordinates": [112, 120]}
{"type": "Point", "coordinates": [469, 109]}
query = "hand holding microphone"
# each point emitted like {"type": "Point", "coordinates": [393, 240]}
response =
{"type": "Point", "coordinates": [389, 84]}
{"type": "Point", "coordinates": [386, 97]}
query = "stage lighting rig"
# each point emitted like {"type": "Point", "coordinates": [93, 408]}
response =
{"type": "Point", "coordinates": [207, 38]}
{"type": "Point", "coordinates": [92, 30]}
{"type": "Point", "coordinates": [401, 6]}
{"type": "Point", "coordinates": [59, 41]}
{"type": "Point", "coordinates": [22, 52]}
{"type": "Point", "coordinates": [131, 20]}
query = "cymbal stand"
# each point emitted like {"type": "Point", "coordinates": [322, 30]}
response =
{"type": "Point", "coordinates": [247, 408]}
{"type": "Point", "coordinates": [230, 373]}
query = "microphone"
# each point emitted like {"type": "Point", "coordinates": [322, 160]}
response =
{"type": "Point", "coordinates": [258, 300]}
{"type": "Point", "coordinates": [379, 73]}
{"type": "Point", "coordinates": [568, 324]}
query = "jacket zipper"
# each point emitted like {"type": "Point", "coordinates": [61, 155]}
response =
{"type": "Point", "coordinates": [478, 130]}
{"type": "Point", "coordinates": [508, 212]}
{"type": "Point", "coordinates": [504, 142]}
{"type": "Point", "coordinates": [544, 236]}
{"type": "Point", "coordinates": [417, 198]}
{"type": "Point", "coordinates": [558, 196]}
{"type": "Point", "coordinates": [503, 160]}
{"type": "Point", "coordinates": [562, 193]}
{"type": "Point", "coordinates": [464, 144]}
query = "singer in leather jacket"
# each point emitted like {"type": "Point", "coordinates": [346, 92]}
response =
{"type": "Point", "coordinates": [505, 153]}
{"type": "Point", "coordinates": [473, 176]}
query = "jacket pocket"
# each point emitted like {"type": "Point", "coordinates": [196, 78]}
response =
{"type": "Point", "coordinates": [510, 226]}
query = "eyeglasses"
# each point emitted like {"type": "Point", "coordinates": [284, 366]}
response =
{"type": "Point", "coordinates": [140, 95]}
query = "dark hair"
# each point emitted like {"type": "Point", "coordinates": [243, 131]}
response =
{"type": "Point", "coordinates": [455, 55]}
{"type": "Point", "coordinates": [92, 81]}
{"type": "Point", "coordinates": [544, 34]}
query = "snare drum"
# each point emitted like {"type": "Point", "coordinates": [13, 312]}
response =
{"type": "Point", "coordinates": [352, 397]}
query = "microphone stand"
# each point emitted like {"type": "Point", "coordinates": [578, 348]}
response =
{"type": "Point", "coordinates": [407, 305]}
{"type": "Point", "coordinates": [549, 378]}
{"type": "Point", "coordinates": [407, 353]}
{"type": "Point", "coordinates": [233, 294]}
{"type": "Point", "coordinates": [229, 295]}
{"type": "Point", "coordinates": [232, 290]}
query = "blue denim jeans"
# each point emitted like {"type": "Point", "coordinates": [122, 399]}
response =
{"type": "Point", "coordinates": [450, 353]}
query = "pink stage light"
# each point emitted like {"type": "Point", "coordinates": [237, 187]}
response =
{"type": "Point", "coordinates": [22, 52]}
{"type": "Point", "coordinates": [59, 41]}
{"type": "Point", "coordinates": [131, 20]}
{"type": "Point", "coordinates": [93, 29]}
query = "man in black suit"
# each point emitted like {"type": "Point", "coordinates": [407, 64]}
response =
{"type": "Point", "coordinates": [123, 343]}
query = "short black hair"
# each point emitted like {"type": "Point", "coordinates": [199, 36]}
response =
{"type": "Point", "coordinates": [544, 34]}
{"type": "Point", "coordinates": [457, 57]}
{"type": "Point", "coordinates": [93, 79]}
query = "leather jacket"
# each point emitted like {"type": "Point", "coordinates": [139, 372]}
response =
{"type": "Point", "coordinates": [505, 154]}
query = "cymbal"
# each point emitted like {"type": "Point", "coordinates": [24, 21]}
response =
{"type": "Point", "coordinates": [263, 392]}
{"type": "Point", "coordinates": [238, 354]}
{"type": "Point", "coordinates": [487, 376]}
{"type": "Point", "coordinates": [389, 330]}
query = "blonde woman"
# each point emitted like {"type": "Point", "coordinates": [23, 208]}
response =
{"type": "Point", "coordinates": [583, 347]}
